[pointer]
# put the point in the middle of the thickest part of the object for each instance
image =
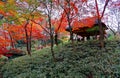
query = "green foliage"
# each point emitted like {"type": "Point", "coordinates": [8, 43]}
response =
{"type": "Point", "coordinates": [96, 28]}
{"type": "Point", "coordinates": [87, 58]}
{"type": "Point", "coordinates": [111, 37]}
{"type": "Point", "coordinates": [3, 60]}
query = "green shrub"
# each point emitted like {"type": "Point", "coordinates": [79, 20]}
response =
{"type": "Point", "coordinates": [3, 60]}
{"type": "Point", "coordinates": [88, 58]}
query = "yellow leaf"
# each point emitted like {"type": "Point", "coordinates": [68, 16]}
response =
{"type": "Point", "coordinates": [11, 1]}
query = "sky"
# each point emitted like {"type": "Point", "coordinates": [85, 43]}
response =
{"type": "Point", "coordinates": [111, 19]}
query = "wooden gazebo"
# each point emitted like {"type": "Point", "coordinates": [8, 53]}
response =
{"type": "Point", "coordinates": [87, 27]}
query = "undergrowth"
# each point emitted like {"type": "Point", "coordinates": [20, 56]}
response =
{"type": "Point", "coordinates": [86, 59]}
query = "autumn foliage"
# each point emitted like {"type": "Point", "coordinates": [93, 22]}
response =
{"type": "Point", "coordinates": [29, 20]}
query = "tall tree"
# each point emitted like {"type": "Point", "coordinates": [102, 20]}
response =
{"type": "Point", "coordinates": [47, 8]}
{"type": "Point", "coordinates": [70, 10]}
{"type": "Point", "coordinates": [27, 12]}
{"type": "Point", "coordinates": [99, 21]}
{"type": "Point", "coordinates": [8, 14]}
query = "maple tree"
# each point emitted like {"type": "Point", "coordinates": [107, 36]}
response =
{"type": "Point", "coordinates": [19, 15]}
{"type": "Point", "coordinates": [60, 26]}
{"type": "Point", "coordinates": [27, 13]}
{"type": "Point", "coordinates": [70, 10]}
{"type": "Point", "coordinates": [50, 25]}
{"type": "Point", "coordinates": [27, 19]}
{"type": "Point", "coordinates": [9, 13]}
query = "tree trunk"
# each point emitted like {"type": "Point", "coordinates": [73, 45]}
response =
{"type": "Point", "coordinates": [56, 39]}
{"type": "Point", "coordinates": [101, 30]}
{"type": "Point", "coordinates": [28, 43]}
{"type": "Point", "coordinates": [71, 36]}
{"type": "Point", "coordinates": [51, 38]}
{"type": "Point", "coordinates": [70, 28]}
{"type": "Point", "coordinates": [30, 37]}
{"type": "Point", "coordinates": [71, 33]}
{"type": "Point", "coordinates": [99, 22]}
{"type": "Point", "coordinates": [52, 44]}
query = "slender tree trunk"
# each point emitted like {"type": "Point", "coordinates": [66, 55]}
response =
{"type": "Point", "coordinates": [52, 44]}
{"type": "Point", "coordinates": [27, 42]}
{"type": "Point", "coordinates": [56, 39]}
{"type": "Point", "coordinates": [69, 21]}
{"type": "Point", "coordinates": [71, 36]}
{"type": "Point", "coordinates": [27, 39]}
{"type": "Point", "coordinates": [51, 38]}
{"type": "Point", "coordinates": [99, 22]}
{"type": "Point", "coordinates": [70, 28]}
{"type": "Point", "coordinates": [101, 30]}
{"type": "Point", "coordinates": [71, 33]}
{"type": "Point", "coordinates": [30, 39]}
